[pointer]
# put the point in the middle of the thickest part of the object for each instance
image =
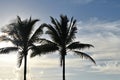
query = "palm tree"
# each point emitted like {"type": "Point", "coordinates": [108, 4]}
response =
{"type": "Point", "coordinates": [20, 34]}
{"type": "Point", "coordinates": [62, 34]}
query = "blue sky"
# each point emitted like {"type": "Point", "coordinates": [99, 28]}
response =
{"type": "Point", "coordinates": [98, 23]}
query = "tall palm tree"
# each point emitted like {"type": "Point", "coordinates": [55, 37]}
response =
{"type": "Point", "coordinates": [20, 34]}
{"type": "Point", "coordinates": [62, 34]}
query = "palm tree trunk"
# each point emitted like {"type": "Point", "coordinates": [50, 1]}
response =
{"type": "Point", "coordinates": [25, 66]}
{"type": "Point", "coordinates": [63, 52]}
{"type": "Point", "coordinates": [63, 67]}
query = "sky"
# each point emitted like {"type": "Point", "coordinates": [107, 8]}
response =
{"type": "Point", "coordinates": [98, 23]}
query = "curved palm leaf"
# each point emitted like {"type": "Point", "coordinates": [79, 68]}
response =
{"type": "Point", "coordinates": [84, 55]}
{"type": "Point", "coordinates": [43, 49]}
{"type": "Point", "coordinates": [20, 58]}
{"type": "Point", "coordinates": [8, 49]}
{"type": "Point", "coordinates": [30, 26]}
{"type": "Point", "coordinates": [57, 25]}
{"type": "Point", "coordinates": [53, 34]}
{"type": "Point", "coordinates": [71, 34]}
{"type": "Point", "coordinates": [16, 42]}
{"type": "Point", "coordinates": [5, 38]}
{"type": "Point", "coordinates": [11, 30]}
{"type": "Point", "coordinates": [42, 41]}
{"type": "Point", "coordinates": [78, 45]}
{"type": "Point", "coordinates": [36, 34]}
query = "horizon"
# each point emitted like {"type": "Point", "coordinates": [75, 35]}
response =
{"type": "Point", "coordinates": [98, 23]}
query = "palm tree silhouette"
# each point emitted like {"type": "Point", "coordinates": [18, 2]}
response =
{"type": "Point", "coordinates": [20, 34]}
{"type": "Point", "coordinates": [62, 34]}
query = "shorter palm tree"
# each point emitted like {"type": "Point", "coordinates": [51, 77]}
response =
{"type": "Point", "coordinates": [20, 34]}
{"type": "Point", "coordinates": [62, 34]}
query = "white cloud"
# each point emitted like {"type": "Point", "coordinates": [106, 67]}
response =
{"type": "Point", "coordinates": [105, 36]}
{"type": "Point", "coordinates": [108, 68]}
{"type": "Point", "coordinates": [97, 27]}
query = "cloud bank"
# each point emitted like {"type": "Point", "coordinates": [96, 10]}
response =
{"type": "Point", "coordinates": [105, 36]}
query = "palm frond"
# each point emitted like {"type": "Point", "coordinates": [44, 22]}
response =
{"type": "Point", "coordinates": [20, 58]}
{"type": "Point", "coordinates": [71, 21]}
{"type": "Point", "coordinates": [44, 49]}
{"type": "Point", "coordinates": [31, 24]}
{"type": "Point", "coordinates": [26, 28]}
{"type": "Point", "coordinates": [14, 41]}
{"type": "Point", "coordinates": [61, 61]}
{"type": "Point", "coordinates": [15, 33]}
{"type": "Point", "coordinates": [36, 34]}
{"type": "Point", "coordinates": [45, 41]}
{"type": "Point", "coordinates": [72, 30]}
{"type": "Point", "coordinates": [78, 45]}
{"type": "Point", "coordinates": [64, 22]}
{"type": "Point", "coordinates": [86, 56]}
{"type": "Point", "coordinates": [42, 41]}
{"type": "Point", "coordinates": [64, 27]}
{"type": "Point", "coordinates": [71, 35]}
{"type": "Point", "coordinates": [5, 38]}
{"type": "Point", "coordinates": [7, 50]}
{"type": "Point", "coordinates": [11, 30]}
{"type": "Point", "coordinates": [19, 19]}
{"type": "Point", "coordinates": [53, 34]}
{"type": "Point", "coordinates": [21, 29]}
{"type": "Point", "coordinates": [57, 25]}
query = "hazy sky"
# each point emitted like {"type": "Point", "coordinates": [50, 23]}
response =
{"type": "Point", "coordinates": [98, 24]}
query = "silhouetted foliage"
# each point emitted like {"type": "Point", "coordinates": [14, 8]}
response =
{"type": "Point", "coordinates": [62, 34]}
{"type": "Point", "coordinates": [20, 34]}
